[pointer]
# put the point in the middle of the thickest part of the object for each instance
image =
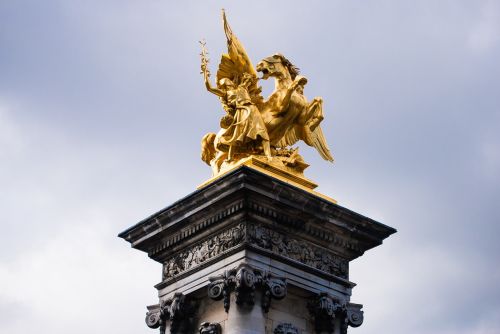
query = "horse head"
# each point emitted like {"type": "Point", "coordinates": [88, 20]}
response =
{"type": "Point", "coordinates": [277, 66]}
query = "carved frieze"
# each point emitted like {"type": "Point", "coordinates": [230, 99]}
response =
{"type": "Point", "coordinates": [243, 281]}
{"type": "Point", "coordinates": [302, 251]}
{"type": "Point", "coordinates": [262, 237]}
{"type": "Point", "coordinates": [203, 251]}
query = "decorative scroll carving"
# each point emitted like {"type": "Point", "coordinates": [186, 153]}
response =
{"type": "Point", "coordinates": [301, 251]}
{"type": "Point", "coordinates": [274, 287]}
{"type": "Point", "coordinates": [353, 316]}
{"type": "Point", "coordinates": [176, 310]}
{"type": "Point", "coordinates": [245, 286]}
{"type": "Point", "coordinates": [244, 281]}
{"type": "Point", "coordinates": [153, 319]}
{"type": "Point", "coordinates": [325, 309]}
{"type": "Point", "coordinates": [219, 287]}
{"type": "Point", "coordinates": [286, 328]}
{"type": "Point", "coordinates": [203, 251]}
{"type": "Point", "coordinates": [210, 328]}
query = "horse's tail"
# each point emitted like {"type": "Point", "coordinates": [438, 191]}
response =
{"type": "Point", "coordinates": [208, 148]}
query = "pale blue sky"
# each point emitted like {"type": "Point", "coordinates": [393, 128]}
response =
{"type": "Point", "coordinates": [102, 108]}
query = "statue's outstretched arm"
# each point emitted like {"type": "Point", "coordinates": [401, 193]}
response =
{"type": "Point", "coordinates": [206, 73]}
{"type": "Point", "coordinates": [213, 90]}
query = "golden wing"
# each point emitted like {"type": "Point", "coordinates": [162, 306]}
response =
{"type": "Point", "coordinates": [319, 143]}
{"type": "Point", "coordinates": [314, 138]}
{"type": "Point", "coordinates": [236, 63]}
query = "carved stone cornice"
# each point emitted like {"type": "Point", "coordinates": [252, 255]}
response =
{"type": "Point", "coordinates": [295, 223]}
{"type": "Point", "coordinates": [243, 281]}
{"type": "Point", "coordinates": [325, 309]}
{"type": "Point", "coordinates": [178, 310]}
{"type": "Point", "coordinates": [196, 227]}
{"type": "Point", "coordinates": [351, 233]}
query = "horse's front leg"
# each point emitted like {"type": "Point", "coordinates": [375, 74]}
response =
{"type": "Point", "coordinates": [314, 113]}
{"type": "Point", "coordinates": [285, 102]}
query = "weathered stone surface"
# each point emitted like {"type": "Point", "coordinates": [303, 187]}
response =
{"type": "Point", "coordinates": [248, 209]}
{"type": "Point", "coordinates": [256, 237]}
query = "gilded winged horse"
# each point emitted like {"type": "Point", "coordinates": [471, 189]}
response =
{"type": "Point", "coordinates": [286, 114]}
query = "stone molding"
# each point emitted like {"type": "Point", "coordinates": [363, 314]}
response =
{"type": "Point", "coordinates": [178, 310]}
{"type": "Point", "coordinates": [185, 233]}
{"type": "Point", "coordinates": [298, 224]}
{"type": "Point", "coordinates": [245, 191]}
{"type": "Point", "coordinates": [244, 280]}
{"type": "Point", "coordinates": [325, 309]}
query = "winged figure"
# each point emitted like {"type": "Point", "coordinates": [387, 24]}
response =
{"type": "Point", "coordinates": [252, 125]}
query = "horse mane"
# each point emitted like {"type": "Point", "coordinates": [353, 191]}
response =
{"type": "Point", "coordinates": [292, 69]}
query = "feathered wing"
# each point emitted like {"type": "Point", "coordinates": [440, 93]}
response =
{"type": "Point", "coordinates": [314, 138]}
{"type": "Point", "coordinates": [319, 143]}
{"type": "Point", "coordinates": [236, 63]}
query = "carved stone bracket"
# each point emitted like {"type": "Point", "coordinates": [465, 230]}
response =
{"type": "Point", "coordinates": [177, 310]}
{"type": "Point", "coordinates": [153, 319]}
{"type": "Point", "coordinates": [220, 286]}
{"type": "Point", "coordinates": [273, 287]}
{"type": "Point", "coordinates": [246, 280]}
{"type": "Point", "coordinates": [325, 309]}
{"type": "Point", "coordinates": [286, 328]}
{"type": "Point", "coordinates": [353, 316]}
{"type": "Point", "coordinates": [210, 328]}
{"type": "Point", "coordinates": [243, 281]}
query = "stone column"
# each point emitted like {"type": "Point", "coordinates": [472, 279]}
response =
{"type": "Point", "coordinates": [246, 318]}
{"type": "Point", "coordinates": [231, 251]}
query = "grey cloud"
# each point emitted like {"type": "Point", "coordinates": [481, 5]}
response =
{"type": "Point", "coordinates": [92, 95]}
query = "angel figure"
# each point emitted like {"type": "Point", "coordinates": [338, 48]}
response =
{"type": "Point", "coordinates": [243, 126]}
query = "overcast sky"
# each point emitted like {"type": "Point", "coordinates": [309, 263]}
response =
{"type": "Point", "coordinates": [102, 109]}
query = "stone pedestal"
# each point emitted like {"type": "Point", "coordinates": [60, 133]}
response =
{"type": "Point", "coordinates": [249, 253]}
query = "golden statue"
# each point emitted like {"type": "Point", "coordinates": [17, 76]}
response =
{"type": "Point", "coordinates": [260, 132]}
